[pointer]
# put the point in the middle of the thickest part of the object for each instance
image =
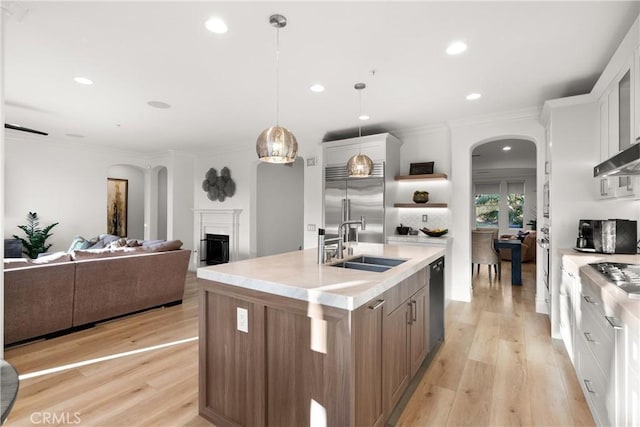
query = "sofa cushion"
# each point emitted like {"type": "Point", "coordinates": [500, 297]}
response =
{"type": "Point", "coordinates": [52, 258]}
{"type": "Point", "coordinates": [163, 246]}
{"type": "Point", "coordinates": [103, 253]}
{"type": "Point", "coordinates": [10, 263]}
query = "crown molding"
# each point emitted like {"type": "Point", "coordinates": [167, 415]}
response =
{"type": "Point", "coordinates": [569, 101]}
{"type": "Point", "coordinates": [520, 114]}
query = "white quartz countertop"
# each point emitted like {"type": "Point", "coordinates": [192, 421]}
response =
{"type": "Point", "coordinates": [298, 275]}
{"type": "Point", "coordinates": [627, 309]}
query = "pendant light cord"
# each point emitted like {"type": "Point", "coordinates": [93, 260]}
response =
{"type": "Point", "coordinates": [360, 121]}
{"type": "Point", "coordinates": [278, 77]}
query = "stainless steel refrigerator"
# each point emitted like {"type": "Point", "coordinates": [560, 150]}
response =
{"type": "Point", "coordinates": [350, 198]}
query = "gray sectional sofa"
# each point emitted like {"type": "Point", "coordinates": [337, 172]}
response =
{"type": "Point", "coordinates": [73, 290]}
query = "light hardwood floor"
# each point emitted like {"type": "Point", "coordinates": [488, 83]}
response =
{"type": "Point", "coordinates": [498, 366]}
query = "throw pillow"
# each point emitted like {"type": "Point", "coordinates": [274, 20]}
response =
{"type": "Point", "coordinates": [169, 245]}
{"type": "Point", "coordinates": [79, 243]}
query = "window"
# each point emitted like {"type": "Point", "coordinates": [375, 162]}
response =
{"type": "Point", "coordinates": [500, 204]}
{"type": "Point", "coordinates": [515, 204]}
{"type": "Point", "coordinates": [487, 210]}
{"type": "Point", "coordinates": [487, 204]}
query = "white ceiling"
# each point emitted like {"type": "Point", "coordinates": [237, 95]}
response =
{"type": "Point", "coordinates": [222, 87]}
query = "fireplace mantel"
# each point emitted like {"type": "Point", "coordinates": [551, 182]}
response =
{"type": "Point", "coordinates": [216, 221]}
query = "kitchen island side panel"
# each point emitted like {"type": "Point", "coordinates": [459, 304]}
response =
{"type": "Point", "coordinates": [292, 366]}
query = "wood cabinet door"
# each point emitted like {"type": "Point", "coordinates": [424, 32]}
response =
{"type": "Point", "coordinates": [367, 337]}
{"type": "Point", "coordinates": [396, 366]}
{"type": "Point", "coordinates": [419, 339]}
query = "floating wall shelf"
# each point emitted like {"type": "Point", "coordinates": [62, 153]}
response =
{"type": "Point", "coordinates": [421, 177]}
{"type": "Point", "coordinates": [420, 205]}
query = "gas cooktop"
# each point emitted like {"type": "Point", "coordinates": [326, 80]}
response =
{"type": "Point", "coordinates": [624, 276]}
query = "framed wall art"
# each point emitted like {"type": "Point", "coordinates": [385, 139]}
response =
{"type": "Point", "coordinates": [117, 206]}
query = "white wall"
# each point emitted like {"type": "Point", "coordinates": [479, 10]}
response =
{"type": "Point", "coordinates": [242, 164]}
{"type": "Point", "coordinates": [280, 202]}
{"type": "Point", "coordinates": [180, 198]}
{"type": "Point", "coordinates": [465, 136]}
{"type": "Point", "coordinates": [66, 183]}
{"type": "Point", "coordinates": [161, 213]}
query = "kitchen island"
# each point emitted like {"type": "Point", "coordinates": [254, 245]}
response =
{"type": "Point", "coordinates": [287, 342]}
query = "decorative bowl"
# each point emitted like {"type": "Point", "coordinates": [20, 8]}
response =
{"type": "Point", "coordinates": [403, 230]}
{"type": "Point", "coordinates": [434, 233]}
{"type": "Point", "coordinates": [421, 196]}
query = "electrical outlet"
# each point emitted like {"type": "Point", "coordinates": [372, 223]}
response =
{"type": "Point", "coordinates": [424, 218]}
{"type": "Point", "coordinates": [242, 319]}
{"type": "Point", "coordinates": [311, 227]}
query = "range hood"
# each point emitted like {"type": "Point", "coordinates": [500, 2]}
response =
{"type": "Point", "coordinates": [626, 162]}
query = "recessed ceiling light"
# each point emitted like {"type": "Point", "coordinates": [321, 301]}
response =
{"type": "Point", "coordinates": [317, 88]}
{"type": "Point", "coordinates": [473, 96]}
{"type": "Point", "coordinates": [158, 104]}
{"type": "Point", "coordinates": [83, 80]}
{"type": "Point", "coordinates": [216, 25]}
{"type": "Point", "coordinates": [506, 148]}
{"type": "Point", "coordinates": [363, 117]}
{"type": "Point", "coordinates": [456, 48]}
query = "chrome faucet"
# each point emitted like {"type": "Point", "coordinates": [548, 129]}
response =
{"type": "Point", "coordinates": [341, 228]}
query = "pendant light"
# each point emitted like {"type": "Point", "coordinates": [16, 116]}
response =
{"type": "Point", "coordinates": [277, 144]}
{"type": "Point", "coordinates": [360, 165]}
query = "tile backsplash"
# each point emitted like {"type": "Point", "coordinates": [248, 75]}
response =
{"type": "Point", "coordinates": [436, 218]}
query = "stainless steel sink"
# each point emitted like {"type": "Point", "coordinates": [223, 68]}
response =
{"type": "Point", "coordinates": [368, 259]}
{"type": "Point", "coordinates": [369, 263]}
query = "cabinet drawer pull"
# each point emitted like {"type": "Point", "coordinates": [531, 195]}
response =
{"type": "Point", "coordinates": [590, 389]}
{"type": "Point", "coordinates": [414, 311]}
{"type": "Point", "coordinates": [613, 322]}
{"type": "Point", "coordinates": [589, 337]}
{"type": "Point", "coordinates": [590, 300]}
{"type": "Point", "coordinates": [377, 305]}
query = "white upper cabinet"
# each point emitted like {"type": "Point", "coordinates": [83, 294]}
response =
{"type": "Point", "coordinates": [618, 92]}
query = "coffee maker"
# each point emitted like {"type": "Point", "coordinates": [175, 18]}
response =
{"type": "Point", "coordinates": [609, 236]}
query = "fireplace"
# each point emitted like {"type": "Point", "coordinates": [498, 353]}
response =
{"type": "Point", "coordinates": [217, 249]}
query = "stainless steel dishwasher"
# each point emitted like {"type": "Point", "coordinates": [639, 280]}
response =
{"type": "Point", "coordinates": [436, 303]}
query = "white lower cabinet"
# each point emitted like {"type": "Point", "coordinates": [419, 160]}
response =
{"type": "Point", "coordinates": [604, 351]}
{"type": "Point", "coordinates": [632, 376]}
{"type": "Point", "coordinates": [567, 315]}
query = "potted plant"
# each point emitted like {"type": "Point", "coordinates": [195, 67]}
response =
{"type": "Point", "coordinates": [35, 243]}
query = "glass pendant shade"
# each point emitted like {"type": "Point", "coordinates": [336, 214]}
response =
{"type": "Point", "coordinates": [277, 145]}
{"type": "Point", "coordinates": [360, 166]}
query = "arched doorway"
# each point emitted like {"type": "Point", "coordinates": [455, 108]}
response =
{"type": "Point", "coordinates": [504, 185]}
{"type": "Point", "coordinates": [464, 138]}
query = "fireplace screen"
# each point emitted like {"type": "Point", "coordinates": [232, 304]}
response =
{"type": "Point", "coordinates": [217, 249]}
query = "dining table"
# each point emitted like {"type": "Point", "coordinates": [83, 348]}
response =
{"type": "Point", "coordinates": [515, 245]}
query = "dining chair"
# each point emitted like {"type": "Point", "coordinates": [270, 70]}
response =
{"type": "Point", "coordinates": [484, 252]}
